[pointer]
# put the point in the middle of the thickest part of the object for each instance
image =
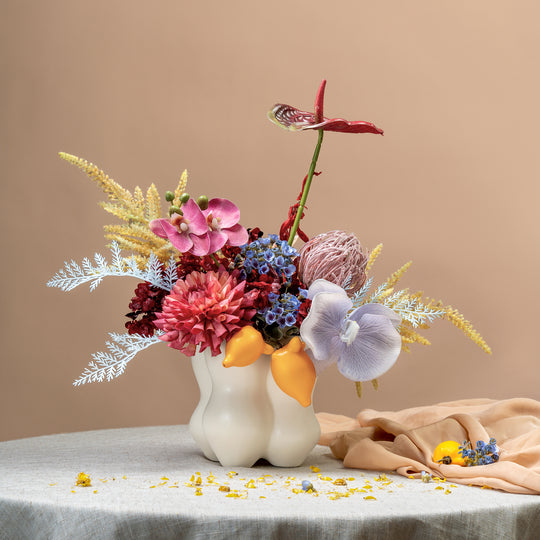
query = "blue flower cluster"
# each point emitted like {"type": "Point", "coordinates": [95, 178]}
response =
{"type": "Point", "coordinates": [284, 308]}
{"type": "Point", "coordinates": [483, 454]}
{"type": "Point", "coordinates": [269, 252]}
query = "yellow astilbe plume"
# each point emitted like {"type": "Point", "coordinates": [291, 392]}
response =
{"type": "Point", "coordinates": [181, 189]}
{"type": "Point", "coordinates": [410, 335]}
{"type": "Point", "coordinates": [358, 385]}
{"type": "Point", "coordinates": [459, 321]}
{"type": "Point", "coordinates": [373, 256]}
{"type": "Point", "coordinates": [397, 275]}
{"type": "Point", "coordinates": [134, 209]}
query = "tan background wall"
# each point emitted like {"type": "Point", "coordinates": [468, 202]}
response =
{"type": "Point", "coordinates": [146, 89]}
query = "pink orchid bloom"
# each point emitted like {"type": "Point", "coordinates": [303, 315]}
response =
{"type": "Point", "coordinates": [187, 232]}
{"type": "Point", "coordinates": [294, 119]}
{"type": "Point", "coordinates": [222, 218]}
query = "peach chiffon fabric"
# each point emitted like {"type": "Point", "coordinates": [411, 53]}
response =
{"type": "Point", "coordinates": [403, 441]}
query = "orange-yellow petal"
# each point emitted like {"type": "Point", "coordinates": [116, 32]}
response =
{"type": "Point", "coordinates": [245, 347]}
{"type": "Point", "coordinates": [294, 371]}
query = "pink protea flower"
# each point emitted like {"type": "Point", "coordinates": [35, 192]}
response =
{"type": "Point", "coordinates": [335, 256]}
{"type": "Point", "coordinates": [205, 309]}
{"type": "Point", "coordinates": [222, 218]}
{"type": "Point", "coordinates": [187, 232]}
{"type": "Point", "coordinates": [294, 119]}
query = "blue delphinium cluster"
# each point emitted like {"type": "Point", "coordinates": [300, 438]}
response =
{"type": "Point", "coordinates": [483, 454]}
{"type": "Point", "coordinates": [284, 308]}
{"type": "Point", "coordinates": [269, 252]}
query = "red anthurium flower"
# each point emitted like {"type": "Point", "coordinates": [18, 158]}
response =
{"type": "Point", "coordinates": [294, 119]}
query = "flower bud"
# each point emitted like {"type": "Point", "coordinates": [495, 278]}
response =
{"type": "Point", "coordinates": [184, 198]}
{"type": "Point", "coordinates": [175, 210]}
{"type": "Point", "coordinates": [202, 201]}
{"type": "Point", "coordinates": [169, 196]}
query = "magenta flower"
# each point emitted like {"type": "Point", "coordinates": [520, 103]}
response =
{"type": "Point", "coordinates": [187, 232]}
{"type": "Point", "coordinates": [294, 119]}
{"type": "Point", "coordinates": [223, 228]}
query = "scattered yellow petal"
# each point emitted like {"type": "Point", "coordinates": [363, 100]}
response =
{"type": "Point", "coordinates": [83, 480]}
{"type": "Point", "coordinates": [95, 490]}
{"type": "Point", "coordinates": [164, 478]}
{"type": "Point", "coordinates": [370, 498]}
{"type": "Point", "coordinates": [339, 482]}
{"type": "Point", "coordinates": [53, 484]}
{"type": "Point", "coordinates": [198, 492]}
{"type": "Point", "coordinates": [447, 492]}
{"type": "Point", "coordinates": [232, 473]}
{"type": "Point", "coordinates": [439, 487]}
{"type": "Point", "coordinates": [314, 469]}
{"type": "Point", "coordinates": [251, 484]}
{"type": "Point", "coordinates": [486, 487]}
{"type": "Point", "coordinates": [224, 489]}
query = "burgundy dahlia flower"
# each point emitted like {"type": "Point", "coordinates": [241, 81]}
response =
{"type": "Point", "coordinates": [205, 309]}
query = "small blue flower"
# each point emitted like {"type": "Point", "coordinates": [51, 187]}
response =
{"type": "Point", "coordinates": [290, 319]}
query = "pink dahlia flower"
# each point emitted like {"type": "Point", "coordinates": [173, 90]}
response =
{"type": "Point", "coordinates": [187, 232]}
{"type": "Point", "coordinates": [205, 309]}
{"type": "Point", "coordinates": [222, 217]}
{"type": "Point", "coordinates": [294, 119]}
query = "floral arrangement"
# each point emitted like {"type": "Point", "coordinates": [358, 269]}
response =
{"type": "Point", "coordinates": [207, 282]}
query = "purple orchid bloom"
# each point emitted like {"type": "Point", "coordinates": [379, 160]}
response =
{"type": "Point", "coordinates": [293, 119]}
{"type": "Point", "coordinates": [187, 232]}
{"type": "Point", "coordinates": [364, 343]}
{"type": "Point", "coordinates": [222, 218]}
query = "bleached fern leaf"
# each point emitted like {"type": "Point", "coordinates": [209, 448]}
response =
{"type": "Point", "coordinates": [170, 276]}
{"type": "Point", "coordinates": [358, 297]}
{"type": "Point", "coordinates": [411, 309]}
{"type": "Point", "coordinates": [109, 365]}
{"type": "Point", "coordinates": [73, 275]}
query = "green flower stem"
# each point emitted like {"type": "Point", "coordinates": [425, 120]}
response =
{"type": "Point", "coordinates": [305, 193]}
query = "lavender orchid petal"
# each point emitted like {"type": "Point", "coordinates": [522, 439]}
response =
{"type": "Point", "coordinates": [376, 309]}
{"type": "Point", "coordinates": [320, 329]}
{"type": "Point", "coordinates": [324, 286]}
{"type": "Point", "coordinates": [373, 351]}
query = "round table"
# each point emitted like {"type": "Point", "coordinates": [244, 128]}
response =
{"type": "Point", "coordinates": [154, 483]}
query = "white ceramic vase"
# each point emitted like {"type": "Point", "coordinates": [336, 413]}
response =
{"type": "Point", "coordinates": [243, 415]}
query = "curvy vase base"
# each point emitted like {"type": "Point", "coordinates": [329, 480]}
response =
{"type": "Point", "coordinates": [243, 416]}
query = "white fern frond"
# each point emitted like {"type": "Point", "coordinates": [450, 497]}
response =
{"type": "Point", "coordinates": [109, 365]}
{"type": "Point", "coordinates": [170, 276]}
{"type": "Point", "coordinates": [73, 275]}
{"type": "Point", "coordinates": [411, 309]}
{"type": "Point", "coordinates": [358, 297]}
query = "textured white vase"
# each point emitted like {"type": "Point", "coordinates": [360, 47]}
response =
{"type": "Point", "coordinates": [243, 415]}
